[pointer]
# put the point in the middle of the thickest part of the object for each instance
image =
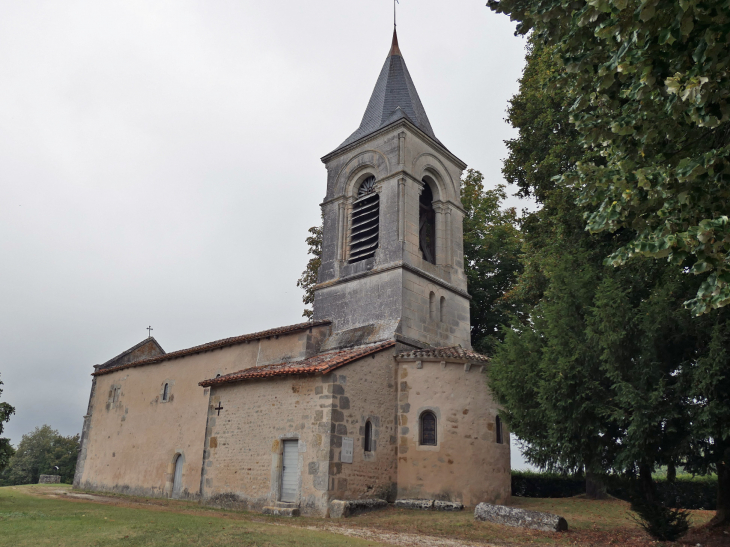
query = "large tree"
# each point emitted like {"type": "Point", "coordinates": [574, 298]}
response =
{"type": "Point", "coordinates": [648, 82]}
{"type": "Point", "coordinates": [606, 370]}
{"type": "Point", "coordinates": [6, 450]}
{"type": "Point", "coordinates": [43, 452]}
{"type": "Point", "coordinates": [492, 249]}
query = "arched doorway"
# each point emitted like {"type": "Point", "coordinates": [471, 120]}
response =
{"type": "Point", "coordinates": [177, 477]}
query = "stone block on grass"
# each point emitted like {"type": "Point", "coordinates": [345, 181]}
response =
{"type": "Point", "coordinates": [349, 508]}
{"type": "Point", "coordinates": [49, 479]}
{"type": "Point", "coordinates": [520, 518]}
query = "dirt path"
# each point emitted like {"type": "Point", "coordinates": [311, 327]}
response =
{"type": "Point", "coordinates": [183, 507]}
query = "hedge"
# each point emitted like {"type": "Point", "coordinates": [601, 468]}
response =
{"type": "Point", "coordinates": [684, 493]}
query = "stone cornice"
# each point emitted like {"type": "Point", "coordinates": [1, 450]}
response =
{"type": "Point", "coordinates": [394, 266]}
{"type": "Point", "coordinates": [403, 122]}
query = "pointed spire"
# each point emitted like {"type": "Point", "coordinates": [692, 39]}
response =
{"type": "Point", "coordinates": [394, 97]}
{"type": "Point", "coordinates": [394, 49]}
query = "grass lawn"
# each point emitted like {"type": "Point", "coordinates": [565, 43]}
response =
{"type": "Point", "coordinates": [42, 515]}
{"type": "Point", "coordinates": [28, 520]}
{"type": "Point", "coordinates": [591, 523]}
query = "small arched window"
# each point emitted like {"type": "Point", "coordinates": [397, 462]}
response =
{"type": "Point", "coordinates": [365, 222]}
{"type": "Point", "coordinates": [427, 225]}
{"type": "Point", "coordinates": [428, 428]}
{"type": "Point", "coordinates": [368, 436]}
{"type": "Point", "coordinates": [432, 305]}
{"type": "Point", "coordinates": [442, 306]}
{"type": "Point", "coordinates": [165, 392]}
{"type": "Point", "coordinates": [500, 433]}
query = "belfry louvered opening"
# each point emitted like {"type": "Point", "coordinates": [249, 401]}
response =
{"type": "Point", "coordinates": [365, 222]}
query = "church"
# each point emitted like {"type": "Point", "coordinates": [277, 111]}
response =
{"type": "Point", "coordinates": [379, 396]}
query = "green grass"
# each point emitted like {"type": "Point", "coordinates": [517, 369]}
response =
{"type": "Point", "coordinates": [591, 522]}
{"type": "Point", "coordinates": [27, 520]}
{"type": "Point", "coordinates": [37, 515]}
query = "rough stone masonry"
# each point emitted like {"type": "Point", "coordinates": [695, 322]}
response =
{"type": "Point", "coordinates": [520, 518]}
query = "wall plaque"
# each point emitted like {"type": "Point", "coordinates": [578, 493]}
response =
{"type": "Point", "coordinates": [348, 444]}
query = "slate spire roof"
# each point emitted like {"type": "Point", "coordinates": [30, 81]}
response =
{"type": "Point", "coordinates": [394, 97]}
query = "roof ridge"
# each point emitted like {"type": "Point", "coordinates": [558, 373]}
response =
{"type": "Point", "coordinates": [454, 352]}
{"type": "Point", "coordinates": [217, 344]}
{"type": "Point", "coordinates": [319, 363]}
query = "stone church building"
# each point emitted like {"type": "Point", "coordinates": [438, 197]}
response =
{"type": "Point", "coordinates": [380, 396]}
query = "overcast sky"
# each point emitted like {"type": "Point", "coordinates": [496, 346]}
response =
{"type": "Point", "coordinates": [159, 163]}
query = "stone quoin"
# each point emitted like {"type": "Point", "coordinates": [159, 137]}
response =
{"type": "Point", "coordinates": [380, 397]}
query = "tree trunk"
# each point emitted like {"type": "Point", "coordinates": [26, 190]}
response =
{"type": "Point", "coordinates": [671, 472]}
{"type": "Point", "coordinates": [595, 487]}
{"type": "Point", "coordinates": [646, 483]}
{"type": "Point", "coordinates": [722, 514]}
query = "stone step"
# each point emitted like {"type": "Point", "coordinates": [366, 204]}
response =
{"type": "Point", "coordinates": [285, 505]}
{"type": "Point", "coordinates": [281, 511]}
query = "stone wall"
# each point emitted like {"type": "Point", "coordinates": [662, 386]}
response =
{"type": "Point", "coordinates": [132, 437]}
{"type": "Point", "coordinates": [243, 445]}
{"type": "Point", "coordinates": [49, 479]}
{"type": "Point", "coordinates": [467, 465]}
{"type": "Point", "coordinates": [364, 390]}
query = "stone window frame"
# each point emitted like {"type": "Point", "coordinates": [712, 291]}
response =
{"type": "Point", "coordinates": [498, 430]}
{"type": "Point", "coordinates": [442, 308]}
{"type": "Point", "coordinates": [429, 183]}
{"type": "Point", "coordinates": [277, 464]}
{"type": "Point", "coordinates": [170, 396]}
{"type": "Point", "coordinates": [354, 188]}
{"type": "Point", "coordinates": [115, 393]}
{"type": "Point", "coordinates": [444, 193]}
{"type": "Point", "coordinates": [369, 444]}
{"type": "Point", "coordinates": [436, 411]}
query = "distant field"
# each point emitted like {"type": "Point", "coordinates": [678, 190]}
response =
{"type": "Point", "coordinates": [44, 515]}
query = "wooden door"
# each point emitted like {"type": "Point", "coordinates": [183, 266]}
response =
{"type": "Point", "coordinates": [290, 471]}
{"type": "Point", "coordinates": [177, 480]}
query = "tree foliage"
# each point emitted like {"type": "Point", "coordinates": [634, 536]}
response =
{"type": "Point", "coordinates": [648, 86]}
{"type": "Point", "coordinates": [492, 249]}
{"type": "Point", "coordinates": [6, 450]}
{"type": "Point", "coordinates": [606, 371]}
{"type": "Point", "coordinates": [308, 279]}
{"type": "Point", "coordinates": [40, 453]}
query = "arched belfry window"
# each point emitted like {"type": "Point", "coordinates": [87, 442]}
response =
{"type": "Point", "coordinates": [368, 436]}
{"type": "Point", "coordinates": [427, 225]}
{"type": "Point", "coordinates": [428, 428]}
{"type": "Point", "coordinates": [365, 222]}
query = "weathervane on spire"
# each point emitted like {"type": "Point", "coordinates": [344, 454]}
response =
{"type": "Point", "coordinates": [394, 20]}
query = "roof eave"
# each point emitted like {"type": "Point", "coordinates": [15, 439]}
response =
{"type": "Point", "coordinates": [233, 377]}
{"type": "Point", "coordinates": [216, 345]}
{"type": "Point", "coordinates": [401, 122]}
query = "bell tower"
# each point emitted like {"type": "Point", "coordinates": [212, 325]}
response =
{"type": "Point", "coordinates": [392, 254]}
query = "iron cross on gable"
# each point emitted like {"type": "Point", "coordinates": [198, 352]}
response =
{"type": "Point", "coordinates": [218, 408]}
{"type": "Point", "coordinates": [149, 331]}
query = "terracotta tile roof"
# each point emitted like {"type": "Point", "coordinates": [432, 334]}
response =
{"type": "Point", "coordinates": [319, 364]}
{"type": "Point", "coordinates": [453, 352]}
{"type": "Point", "coordinates": [215, 345]}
